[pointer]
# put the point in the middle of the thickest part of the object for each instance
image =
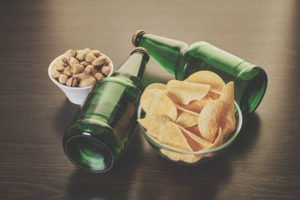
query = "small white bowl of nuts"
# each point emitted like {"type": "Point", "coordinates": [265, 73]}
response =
{"type": "Point", "coordinates": [77, 71]}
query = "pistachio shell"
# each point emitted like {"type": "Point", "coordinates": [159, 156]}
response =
{"type": "Point", "coordinates": [106, 61]}
{"type": "Point", "coordinates": [67, 56]}
{"type": "Point", "coordinates": [55, 74]}
{"type": "Point", "coordinates": [79, 76]}
{"type": "Point", "coordinates": [90, 70]}
{"type": "Point", "coordinates": [80, 55]}
{"type": "Point", "coordinates": [58, 65]}
{"type": "Point", "coordinates": [62, 78]}
{"type": "Point", "coordinates": [77, 68]}
{"type": "Point", "coordinates": [86, 50]}
{"type": "Point", "coordinates": [70, 52]}
{"type": "Point", "coordinates": [84, 63]}
{"type": "Point", "coordinates": [90, 57]}
{"type": "Point", "coordinates": [96, 53]}
{"type": "Point", "coordinates": [74, 82]}
{"type": "Point", "coordinates": [99, 76]}
{"type": "Point", "coordinates": [69, 82]}
{"type": "Point", "coordinates": [73, 61]}
{"type": "Point", "coordinates": [65, 60]}
{"type": "Point", "coordinates": [99, 61]}
{"type": "Point", "coordinates": [87, 81]}
{"type": "Point", "coordinates": [105, 70]}
{"type": "Point", "coordinates": [67, 71]}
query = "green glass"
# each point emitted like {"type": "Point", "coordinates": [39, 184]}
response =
{"type": "Point", "coordinates": [104, 128]}
{"type": "Point", "coordinates": [182, 60]}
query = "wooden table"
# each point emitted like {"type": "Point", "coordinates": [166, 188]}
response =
{"type": "Point", "coordinates": [263, 163]}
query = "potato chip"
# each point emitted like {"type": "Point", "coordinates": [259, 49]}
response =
{"type": "Point", "coordinates": [209, 119]}
{"type": "Point", "coordinates": [185, 92]}
{"type": "Point", "coordinates": [187, 118]}
{"type": "Point", "coordinates": [171, 136]}
{"type": "Point", "coordinates": [188, 158]}
{"type": "Point", "coordinates": [207, 77]}
{"type": "Point", "coordinates": [193, 144]}
{"type": "Point", "coordinates": [195, 130]}
{"type": "Point", "coordinates": [214, 94]}
{"type": "Point", "coordinates": [153, 122]}
{"type": "Point", "coordinates": [196, 105]}
{"type": "Point", "coordinates": [226, 125]}
{"type": "Point", "coordinates": [162, 105]}
{"type": "Point", "coordinates": [218, 141]}
{"type": "Point", "coordinates": [227, 95]}
{"type": "Point", "coordinates": [156, 86]}
{"type": "Point", "coordinates": [202, 144]}
{"type": "Point", "coordinates": [228, 115]}
{"type": "Point", "coordinates": [148, 96]}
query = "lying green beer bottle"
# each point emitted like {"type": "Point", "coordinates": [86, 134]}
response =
{"type": "Point", "coordinates": [104, 127]}
{"type": "Point", "coordinates": [182, 60]}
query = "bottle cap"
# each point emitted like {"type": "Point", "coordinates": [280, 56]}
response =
{"type": "Point", "coordinates": [137, 36]}
{"type": "Point", "coordinates": [141, 50]}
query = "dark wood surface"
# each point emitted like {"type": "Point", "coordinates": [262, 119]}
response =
{"type": "Point", "coordinates": [263, 163]}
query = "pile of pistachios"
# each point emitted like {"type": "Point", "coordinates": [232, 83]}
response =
{"type": "Point", "coordinates": [80, 68]}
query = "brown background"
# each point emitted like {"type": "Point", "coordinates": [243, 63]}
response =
{"type": "Point", "coordinates": [263, 163]}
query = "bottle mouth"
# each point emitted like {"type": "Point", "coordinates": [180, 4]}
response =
{"type": "Point", "coordinates": [142, 51]}
{"type": "Point", "coordinates": [136, 37]}
{"type": "Point", "coordinates": [89, 153]}
{"type": "Point", "coordinates": [254, 92]}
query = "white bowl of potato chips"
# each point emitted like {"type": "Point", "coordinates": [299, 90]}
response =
{"type": "Point", "coordinates": [190, 121]}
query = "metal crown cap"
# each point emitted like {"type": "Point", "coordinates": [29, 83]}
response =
{"type": "Point", "coordinates": [136, 37]}
{"type": "Point", "coordinates": [141, 50]}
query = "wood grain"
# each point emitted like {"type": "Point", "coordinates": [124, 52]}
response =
{"type": "Point", "coordinates": [263, 163]}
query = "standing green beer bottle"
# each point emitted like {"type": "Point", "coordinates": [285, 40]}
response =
{"type": "Point", "coordinates": [105, 126]}
{"type": "Point", "coordinates": [182, 60]}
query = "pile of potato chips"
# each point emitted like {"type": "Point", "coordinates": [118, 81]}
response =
{"type": "Point", "coordinates": [190, 115]}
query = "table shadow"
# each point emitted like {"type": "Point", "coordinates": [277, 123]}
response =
{"type": "Point", "coordinates": [185, 182]}
{"type": "Point", "coordinates": [111, 185]}
{"type": "Point", "coordinates": [64, 116]}
{"type": "Point", "coordinates": [247, 137]}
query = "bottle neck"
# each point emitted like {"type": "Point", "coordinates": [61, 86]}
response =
{"type": "Point", "coordinates": [134, 65]}
{"type": "Point", "coordinates": [163, 50]}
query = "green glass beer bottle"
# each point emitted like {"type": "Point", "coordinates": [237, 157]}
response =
{"type": "Point", "coordinates": [182, 60]}
{"type": "Point", "coordinates": [105, 126]}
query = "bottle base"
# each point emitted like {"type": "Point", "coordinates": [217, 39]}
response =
{"type": "Point", "coordinates": [89, 153]}
{"type": "Point", "coordinates": [254, 92]}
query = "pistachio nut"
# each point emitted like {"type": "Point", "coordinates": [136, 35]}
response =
{"type": "Point", "coordinates": [84, 63]}
{"type": "Point", "coordinates": [77, 68]}
{"type": "Point", "coordinates": [87, 81]}
{"type": "Point", "coordinates": [90, 70]}
{"type": "Point", "coordinates": [62, 78]}
{"type": "Point", "coordinates": [70, 52]}
{"type": "Point", "coordinates": [73, 61]}
{"type": "Point", "coordinates": [99, 76]}
{"type": "Point", "coordinates": [79, 76]}
{"type": "Point", "coordinates": [90, 57]}
{"type": "Point", "coordinates": [99, 61]}
{"type": "Point", "coordinates": [69, 82]}
{"type": "Point", "coordinates": [58, 66]}
{"type": "Point", "coordinates": [105, 70]}
{"type": "Point", "coordinates": [80, 55]}
{"type": "Point", "coordinates": [55, 74]}
{"type": "Point", "coordinates": [67, 71]}
{"type": "Point", "coordinates": [96, 53]}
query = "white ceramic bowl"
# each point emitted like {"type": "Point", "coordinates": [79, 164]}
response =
{"type": "Point", "coordinates": [75, 95]}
